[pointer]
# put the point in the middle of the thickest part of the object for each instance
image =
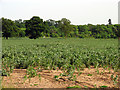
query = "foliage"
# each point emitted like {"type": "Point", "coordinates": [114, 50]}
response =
{"type": "Point", "coordinates": [89, 74]}
{"type": "Point", "coordinates": [34, 27]}
{"type": "Point", "coordinates": [31, 72]}
{"type": "Point", "coordinates": [74, 87]}
{"type": "Point", "coordinates": [66, 54]}
{"type": "Point", "coordinates": [114, 78]}
{"type": "Point", "coordinates": [64, 26]}
{"type": "Point", "coordinates": [103, 86]}
{"type": "Point", "coordinates": [19, 23]}
{"type": "Point", "coordinates": [9, 28]}
{"type": "Point", "coordinates": [56, 77]}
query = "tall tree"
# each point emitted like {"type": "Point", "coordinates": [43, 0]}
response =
{"type": "Point", "coordinates": [19, 23]}
{"type": "Point", "coordinates": [0, 27]}
{"type": "Point", "coordinates": [50, 22]}
{"type": "Point", "coordinates": [65, 26]}
{"type": "Point", "coordinates": [9, 28]}
{"type": "Point", "coordinates": [34, 27]}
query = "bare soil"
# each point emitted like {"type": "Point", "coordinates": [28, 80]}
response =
{"type": "Point", "coordinates": [103, 78]}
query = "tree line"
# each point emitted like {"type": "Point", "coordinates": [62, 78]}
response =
{"type": "Point", "coordinates": [36, 27]}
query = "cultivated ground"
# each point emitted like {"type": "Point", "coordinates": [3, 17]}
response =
{"type": "Point", "coordinates": [67, 54]}
{"type": "Point", "coordinates": [88, 78]}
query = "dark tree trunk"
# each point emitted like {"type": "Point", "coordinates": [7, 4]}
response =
{"type": "Point", "coordinates": [6, 37]}
{"type": "Point", "coordinates": [119, 38]}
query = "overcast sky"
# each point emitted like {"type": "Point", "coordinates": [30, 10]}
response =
{"type": "Point", "coordinates": [77, 11]}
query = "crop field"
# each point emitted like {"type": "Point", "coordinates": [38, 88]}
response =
{"type": "Point", "coordinates": [70, 55]}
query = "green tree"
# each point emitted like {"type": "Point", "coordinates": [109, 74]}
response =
{"type": "Point", "coordinates": [64, 26]}
{"type": "Point", "coordinates": [53, 31]}
{"type": "Point", "coordinates": [19, 23]}
{"type": "Point", "coordinates": [9, 29]}
{"type": "Point", "coordinates": [46, 31]}
{"type": "Point", "coordinates": [51, 22]}
{"type": "Point", "coordinates": [0, 27]}
{"type": "Point", "coordinates": [34, 27]}
{"type": "Point", "coordinates": [84, 31]}
{"type": "Point", "coordinates": [76, 31]}
{"type": "Point", "coordinates": [116, 30]}
{"type": "Point", "coordinates": [21, 33]}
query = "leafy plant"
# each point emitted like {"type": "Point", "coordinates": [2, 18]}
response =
{"type": "Point", "coordinates": [39, 69]}
{"type": "Point", "coordinates": [56, 77]}
{"type": "Point", "coordinates": [114, 78]}
{"type": "Point", "coordinates": [97, 71]}
{"type": "Point", "coordinates": [101, 72]}
{"type": "Point", "coordinates": [74, 87]}
{"type": "Point", "coordinates": [95, 86]}
{"type": "Point", "coordinates": [103, 86]}
{"type": "Point", "coordinates": [86, 86]}
{"type": "Point", "coordinates": [25, 78]}
{"type": "Point", "coordinates": [79, 73]}
{"type": "Point", "coordinates": [31, 72]}
{"type": "Point", "coordinates": [39, 77]}
{"type": "Point", "coordinates": [66, 54]}
{"type": "Point", "coordinates": [89, 74]}
{"type": "Point", "coordinates": [35, 84]}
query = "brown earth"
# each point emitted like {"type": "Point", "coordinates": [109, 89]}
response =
{"type": "Point", "coordinates": [103, 78]}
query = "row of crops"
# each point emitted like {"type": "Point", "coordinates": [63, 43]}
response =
{"type": "Point", "coordinates": [52, 53]}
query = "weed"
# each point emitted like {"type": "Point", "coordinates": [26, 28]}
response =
{"type": "Point", "coordinates": [114, 78]}
{"type": "Point", "coordinates": [25, 78]}
{"type": "Point", "coordinates": [39, 77]}
{"type": "Point", "coordinates": [89, 74]}
{"type": "Point", "coordinates": [74, 87]}
{"type": "Point", "coordinates": [79, 73]}
{"type": "Point", "coordinates": [56, 77]}
{"type": "Point", "coordinates": [103, 86]}
{"type": "Point", "coordinates": [31, 72]}
{"type": "Point", "coordinates": [35, 84]}
{"type": "Point", "coordinates": [86, 86]}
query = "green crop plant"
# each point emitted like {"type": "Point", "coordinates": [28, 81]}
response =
{"type": "Point", "coordinates": [72, 78]}
{"type": "Point", "coordinates": [114, 78]}
{"type": "Point", "coordinates": [79, 73]}
{"type": "Point", "coordinates": [86, 86]}
{"type": "Point", "coordinates": [68, 54]}
{"type": "Point", "coordinates": [56, 77]}
{"type": "Point", "coordinates": [97, 71]}
{"type": "Point", "coordinates": [74, 87]}
{"type": "Point", "coordinates": [31, 72]}
{"type": "Point", "coordinates": [25, 78]}
{"type": "Point", "coordinates": [35, 84]}
{"type": "Point", "coordinates": [95, 86]}
{"type": "Point", "coordinates": [39, 77]}
{"type": "Point", "coordinates": [103, 86]}
{"type": "Point", "coordinates": [89, 74]}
